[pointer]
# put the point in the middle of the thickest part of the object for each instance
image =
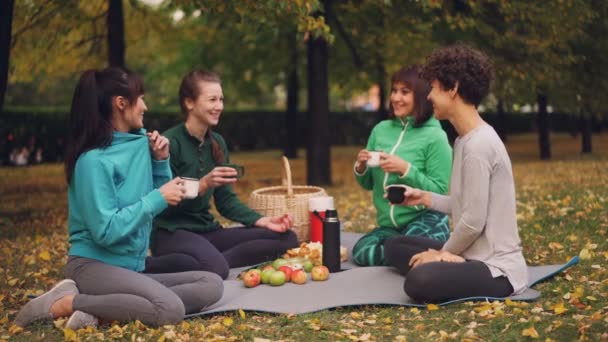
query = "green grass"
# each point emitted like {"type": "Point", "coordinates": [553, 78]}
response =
{"type": "Point", "coordinates": [562, 211]}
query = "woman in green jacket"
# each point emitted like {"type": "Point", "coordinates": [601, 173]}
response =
{"type": "Point", "coordinates": [414, 151]}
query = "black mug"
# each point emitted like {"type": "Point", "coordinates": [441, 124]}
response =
{"type": "Point", "coordinates": [396, 193]}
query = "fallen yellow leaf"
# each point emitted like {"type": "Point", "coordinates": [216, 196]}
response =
{"type": "Point", "coordinates": [242, 314]}
{"type": "Point", "coordinates": [70, 335]}
{"type": "Point", "coordinates": [585, 254]}
{"type": "Point", "coordinates": [559, 308]}
{"type": "Point", "coordinates": [432, 307]}
{"type": "Point", "coordinates": [555, 245]}
{"type": "Point", "coordinates": [530, 332]}
{"type": "Point", "coordinates": [45, 255]}
{"type": "Point", "coordinates": [227, 321]}
{"type": "Point", "coordinates": [14, 330]}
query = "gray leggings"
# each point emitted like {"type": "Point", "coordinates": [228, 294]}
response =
{"type": "Point", "coordinates": [114, 293]}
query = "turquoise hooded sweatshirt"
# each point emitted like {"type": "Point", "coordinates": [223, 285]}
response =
{"type": "Point", "coordinates": [428, 151]}
{"type": "Point", "coordinates": [113, 197]}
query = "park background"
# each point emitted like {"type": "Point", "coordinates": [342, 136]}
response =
{"type": "Point", "coordinates": [306, 79]}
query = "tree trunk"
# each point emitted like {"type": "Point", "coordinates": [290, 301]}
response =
{"type": "Point", "coordinates": [291, 115]}
{"type": "Point", "coordinates": [544, 142]}
{"type": "Point", "coordinates": [382, 112]}
{"type": "Point", "coordinates": [318, 144]}
{"type": "Point", "coordinates": [6, 24]}
{"type": "Point", "coordinates": [501, 121]}
{"type": "Point", "coordinates": [586, 125]}
{"type": "Point", "coordinates": [116, 34]}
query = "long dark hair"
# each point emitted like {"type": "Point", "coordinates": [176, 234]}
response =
{"type": "Point", "coordinates": [90, 121]}
{"type": "Point", "coordinates": [190, 89]}
{"type": "Point", "coordinates": [423, 109]}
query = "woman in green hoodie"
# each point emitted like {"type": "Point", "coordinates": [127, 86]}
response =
{"type": "Point", "coordinates": [118, 179]}
{"type": "Point", "coordinates": [414, 151]}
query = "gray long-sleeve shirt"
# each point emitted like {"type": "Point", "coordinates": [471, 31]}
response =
{"type": "Point", "coordinates": [482, 205]}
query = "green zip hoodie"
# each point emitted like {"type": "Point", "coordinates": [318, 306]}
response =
{"type": "Point", "coordinates": [425, 148]}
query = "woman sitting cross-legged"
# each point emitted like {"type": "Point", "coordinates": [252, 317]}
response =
{"type": "Point", "coordinates": [118, 180]}
{"type": "Point", "coordinates": [416, 153]}
{"type": "Point", "coordinates": [187, 237]}
{"type": "Point", "coordinates": [483, 256]}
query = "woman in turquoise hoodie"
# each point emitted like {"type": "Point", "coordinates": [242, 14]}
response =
{"type": "Point", "coordinates": [118, 179]}
{"type": "Point", "coordinates": [414, 151]}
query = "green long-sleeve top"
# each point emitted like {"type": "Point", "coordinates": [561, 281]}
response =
{"type": "Point", "coordinates": [192, 158]}
{"type": "Point", "coordinates": [425, 148]}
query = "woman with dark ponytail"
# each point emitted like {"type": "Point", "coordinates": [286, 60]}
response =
{"type": "Point", "coordinates": [187, 237]}
{"type": "Point", "coordinates": [118, 179]}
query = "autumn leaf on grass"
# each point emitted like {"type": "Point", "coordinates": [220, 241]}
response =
{"type": "Point", "coordinates": [44, 255]}
{"type": "Point", "coordinates": [585, 254]}
{"type": "Point", "coordinates": [242, 314]}
{"type": "Point", "coordinates": [432, 307]}
{"type": "Point", "coordinates": [70, 335]}
{"type": "Point", "coordinates": [15, 329]}
{"type": "Point", "coordinates": [530, 332]}
{"type": "Point", "coordinates": [227, 321]}
{"type": "Point", "coordinates": [555, 245]}
{"type": "Point", "coordinates": [559, 308]}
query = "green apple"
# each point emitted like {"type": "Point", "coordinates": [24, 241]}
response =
{"type": "Point", "coordinates": [307, 266]}
{"type": "Point", "coordinates": [277, 278]}
{"type": "Point", "coordinates": [278, 263]}
{"type": "Point", "coordinates": [266, 275]}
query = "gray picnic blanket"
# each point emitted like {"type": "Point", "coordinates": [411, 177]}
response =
{"type": "Point", "coordinates": [353, 286]}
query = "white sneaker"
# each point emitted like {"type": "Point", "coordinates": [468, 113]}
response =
{"type": "Point", "coordinates": [79, 320]}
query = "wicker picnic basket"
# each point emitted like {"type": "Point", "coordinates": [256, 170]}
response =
{"type": "Point", "coordinates": [287, 198]}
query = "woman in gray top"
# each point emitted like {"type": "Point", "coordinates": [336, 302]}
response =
{"type": "Point", "coordinates": [483, 256]}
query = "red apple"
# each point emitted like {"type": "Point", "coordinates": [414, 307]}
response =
{"type": "Point", "coordinates": [319, 273]}
{"type": "Point", "coordinates": [299, 277]}
{"type": "Point", "coordinates": [268, 267]}
{"type": "Point", "coordinates": [251, 278]}
{"type": "Point", "coordinates": [287, 270]}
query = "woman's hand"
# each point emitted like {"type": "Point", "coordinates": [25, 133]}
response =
{"type": "Point", "coordinates": [173, 191]}
{"type": "Point", "coordinates": [433, 255]}
{"type": "Point", "coordinates": [279, 224]}
{"type": "Point", "coordinates": [159, 145]}
{"type": "Point", "coordinates": [362, 159]}
{"type": "Point", "coordinates": [393, 164]}
{"type": "Point", "coordinates": [219, 176]}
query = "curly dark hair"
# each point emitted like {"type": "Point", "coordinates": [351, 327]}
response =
{"type": "Point", "coordinates": [471, 68]}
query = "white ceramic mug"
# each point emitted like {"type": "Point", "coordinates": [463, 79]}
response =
{"type": "Point", "coordinates": [192, 186]}
{"type": "Point", "coordinates": [374, 158]}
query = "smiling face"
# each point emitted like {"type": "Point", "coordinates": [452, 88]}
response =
{"type": "Point", "coordinates": [402, 100]}
{"type": "Point", "coordinates": [209, 104]}
{"type": "Point", "coordinates": [441, 99]}
{"type": "Point", "coordinates": [134, 114]}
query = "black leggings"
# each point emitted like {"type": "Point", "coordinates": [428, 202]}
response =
{"type": "Point", "coordinates": [215, 251]}
{"type": "Point", "coordinates": [437, 282]}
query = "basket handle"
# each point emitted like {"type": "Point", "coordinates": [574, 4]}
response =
{"type": "Point", "coordinates": [286, 176]}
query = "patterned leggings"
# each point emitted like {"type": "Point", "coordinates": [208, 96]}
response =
{"type": "Point", "coordinates": [369, 250]}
